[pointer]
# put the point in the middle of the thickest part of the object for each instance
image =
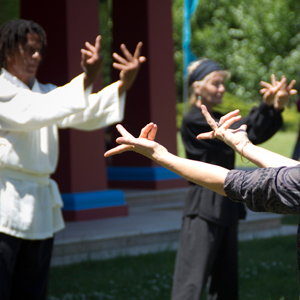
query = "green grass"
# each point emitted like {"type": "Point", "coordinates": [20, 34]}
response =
{"type": "Point", "coordinates": [267, 271]}
{"type": "Point", "coordinates": [282, 142]}
{"type": "Point", "coordinates": [290, 220]}
{"type": "Point", "coordinates": [143, 277]}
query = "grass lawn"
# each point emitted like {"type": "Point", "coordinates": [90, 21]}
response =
{"type": "Point", "coordinates": [268, 271]}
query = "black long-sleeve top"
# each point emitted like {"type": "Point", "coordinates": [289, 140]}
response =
{"type": "Point", "coordinates": [262, 123]}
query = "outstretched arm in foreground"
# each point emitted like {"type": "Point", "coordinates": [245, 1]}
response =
{"type": "Point", "coordinates": [238, 141]}
{"type": "Point", "coordinates": [207, 175]}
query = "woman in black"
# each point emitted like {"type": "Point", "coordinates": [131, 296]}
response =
{"type": "Point", "coordinates": [209, 236]}
{"type": "Point", "coordinates": [274, 188]}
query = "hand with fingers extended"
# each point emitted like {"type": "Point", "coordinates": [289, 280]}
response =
{"type": "Point", "coordinates": [269, 90]}
{"type": "Point", "coordinates": [277, 92]}
{"type": "Point", "coordinates": [283, 95]}
{"type": "Point", "coordinates": [128, 65]}
{"type": "Point", "coordinates": [144, 144]}
{"type": "Point", "coordinates": [91, 61]}
{"type": "Point", "coordinates": [235, 138]}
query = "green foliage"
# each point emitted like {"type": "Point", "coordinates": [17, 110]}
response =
{"type": "Point", "coordinates": [105, 19]}
{"type": "Point", "coordinates": [250, 38]}
{"type": "Point", "coordinates": [9, 9]}
{"type": "Point", "coordinates": [177, 11]}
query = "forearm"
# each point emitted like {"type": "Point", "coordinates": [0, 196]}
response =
{"type": "Point", "coordinates": [87, 81]}
{"type": "Point", "coordinates": [27, 110]}
{"type": "Point", "coordinates": [264, 158]}
{"type": "Point", "coordinates": [104, 109]}
{"type": "Point", "coordinates": [204, 174]}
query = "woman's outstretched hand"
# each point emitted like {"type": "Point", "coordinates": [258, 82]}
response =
{"type": "Point", "coordinates": [144, 144]}
{"type": "Point", "coordinates": [235, 138]}
{"type": "Point", "coordinates": [269, 90]}
{"type": "Point", "coordinates": [278, 91]}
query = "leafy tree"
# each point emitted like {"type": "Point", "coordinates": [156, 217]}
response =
{"type": "Point", "coordinates": [250, 38]}
{"type": "Point", "coordinates": [177, 11]}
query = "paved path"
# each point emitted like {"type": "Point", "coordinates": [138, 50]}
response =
{"type": "Point", "coordinates": [153, 224]}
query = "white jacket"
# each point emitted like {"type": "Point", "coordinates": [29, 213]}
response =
{"type": "Point", "coordinates": [30, 202]}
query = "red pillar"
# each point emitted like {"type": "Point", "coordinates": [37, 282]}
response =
{"type": "Point", "coordinates": [153, 95]}
{"type": "Point", "coordinates": [69, 24]}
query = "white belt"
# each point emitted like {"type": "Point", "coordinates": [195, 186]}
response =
{"type": "Point", "coordinates": [41, 179]}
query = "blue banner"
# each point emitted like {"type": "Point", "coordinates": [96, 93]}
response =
{"type": "Point", "coordinates": [189, 7]}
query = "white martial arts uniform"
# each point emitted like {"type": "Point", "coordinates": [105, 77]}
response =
{"type": "Point", "coordinates": [30, 202]}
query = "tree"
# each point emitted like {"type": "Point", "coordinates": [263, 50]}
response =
{"type": "Point", "coordinates": [250, 38]}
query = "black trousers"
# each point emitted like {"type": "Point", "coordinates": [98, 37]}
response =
{"type": "Point", "coordinates": [206, 251]}
{"type": "Point", "coordinates": [24, 268]}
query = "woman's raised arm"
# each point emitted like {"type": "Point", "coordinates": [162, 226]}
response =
{"type": "Point", "coordinates": [238, 141]}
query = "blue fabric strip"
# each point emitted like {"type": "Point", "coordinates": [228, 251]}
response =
{"type": "Point", "coordinates": [140, 174]}
{"type": "Point", "coordinates": [189, 7]}
{"type": "Point", "coordinates": [95, 199]}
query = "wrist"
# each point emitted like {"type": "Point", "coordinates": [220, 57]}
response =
{"type": "Point", "coordinates": [280, 102]}
{"type": "Point", "coordinates": [244, 145]}
{"type": "Point", "coordinates": [278, 108]}
{"type": "Point", "coordinates": [88, 80]}
{"type": "Point", "coordinates": [123, 87]}
{"type": "Point", "coordinates": [268, 103]}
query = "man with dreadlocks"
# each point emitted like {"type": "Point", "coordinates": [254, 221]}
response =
{"type": "Point", "coordinates": [30, 115]}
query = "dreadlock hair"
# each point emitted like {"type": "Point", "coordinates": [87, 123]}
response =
{"type": "Point", "coordinates": [13, 33]}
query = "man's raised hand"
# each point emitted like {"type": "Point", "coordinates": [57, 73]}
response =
{"type": "Point", "coordinates": [128, 65]}
{"type": "Point", "coordinates": [91, 61]}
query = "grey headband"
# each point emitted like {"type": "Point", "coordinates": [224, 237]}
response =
{"type": "Point", "coordinates": [205, 68]}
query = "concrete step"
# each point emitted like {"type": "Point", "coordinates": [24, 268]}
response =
{"type": "Point", "coordinates": [153, 224]}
